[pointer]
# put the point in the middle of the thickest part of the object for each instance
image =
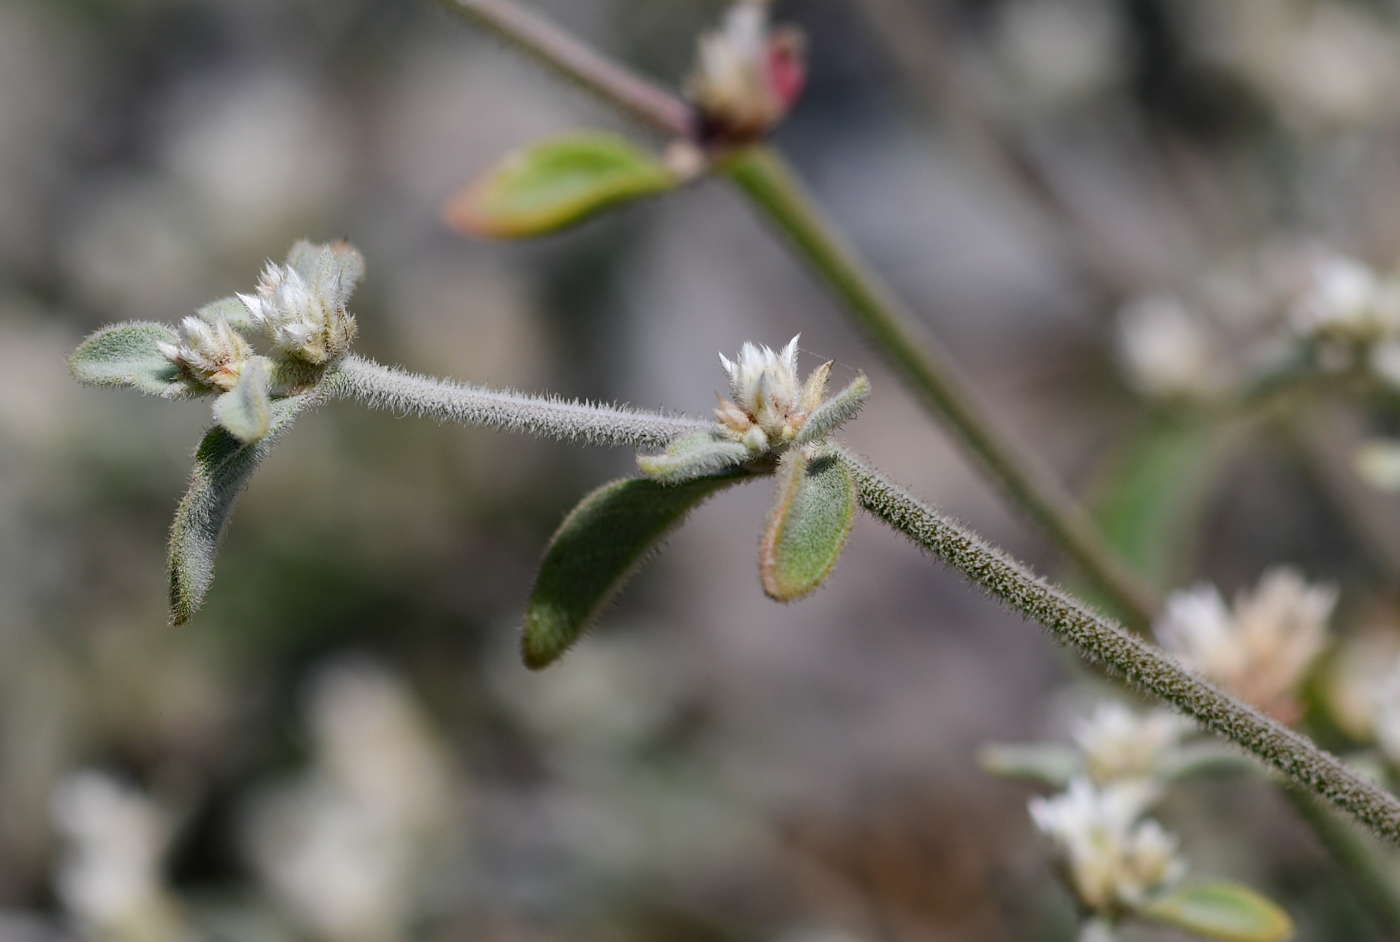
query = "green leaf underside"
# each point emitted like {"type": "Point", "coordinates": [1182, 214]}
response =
{"type": "Point", "coordinates": [232, 310]}
{"type": "Point", "coordinates": [1222, 911]}
{"type": "Point", "coordinates": [557, 183]}
{"type": "Point", "coordinates": [222, 467]}
{"type": "Point", "coordinates": [1046, 763]}
{"type": "Point", "coordinates": [126, 355]}
{"type": "Point", "coordinates": [597, 548]}
{"type": "Point", "coordinates": [246, 410]}
{"type": "Point", "coordinates": [812, 515]}
{"type": "Point", "coordinates": [693, 456]}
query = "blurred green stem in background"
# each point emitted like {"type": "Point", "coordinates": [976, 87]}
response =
{"type": "Point", "coordinates": [773, 188]}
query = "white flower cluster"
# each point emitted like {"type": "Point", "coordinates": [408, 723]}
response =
{"type": "Point", "coordinates": [1353, 314]}
{"type": "Point", "coordinates": [109, 877]}
{"type": "Point", "coordinates": [301, 306]}
{"type": "Point", "coordinates": [770, 406]}
{"type": "Point", "coordinates": [1364, 692]}
{"type": "Point", "coordinates": [1115, 858]}
{"type": "Point", "coordinates": [210, 352]}
{"type": "Point", "coordinates": [1262, 650]}
{"type": "Point", "coordinates": [1167, 352]}
{"type": "Point", "coordinates": [747, 75]}
{"type": "Point", "coordinates": [1119, 744]}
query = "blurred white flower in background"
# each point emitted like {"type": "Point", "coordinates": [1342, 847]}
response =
{"type": "Point", "coordinates": [1167, 352]}
{"type": "Point", "coordinates": [1121, 744]}
{"type": "Point", "coordinates": [109, 877]}
{"type": "Point", "coordinates": [345, 849]}
{"type": "Point", "coordinates": [1262, 650]}
{"type": "Point", "coordinates": [1346, 300]}
{"type": "Point", "coordinates": [1114, 858]}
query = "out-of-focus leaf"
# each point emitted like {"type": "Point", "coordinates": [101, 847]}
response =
{"type": "Point", "coordinates": [222, 467]}
{"type": "Point", "coordinates": [812, 514]}
{"type": "Point", "coordinates": [1378, 463]}
{"type": "Point", "coordinates": [1221, 911]}
{"type": "Point", "coordinates": [127, 355]}
{"type": "Point", "coordinates": [1047, 763]}
{"type": "Point", "coordinates": [597, 548]}
{"type": "Point", "coordinates": [693, 456]}
{"type": "Point", "coordinates": [246, 410]}
{"type": "Point", "coordinates": [1150, 498]}
{"type": "Point", "coordinates": [556, 183]}
{"type": "Point", "coordinates": [1206, 758]}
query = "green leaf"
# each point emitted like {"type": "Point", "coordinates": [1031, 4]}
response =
{"type": "Point", "coordinates": [596, 550]}
{"type": "Point", "coordinates": [232, 310]}
{"type": "Point", "coordinates": [812, 514]}
{"type": "Point", "coordinates": [1047, 763]}
{"type": "Point", "coordinates": [246, 410]}
{"type": "Point", "coordinates": [835, 412]}
{"type": "Point", "coordinates": [693, 456]}
{"type": "Point", "coordinates": [127, 355]}
{"type": "Point", "coordinates": [1222, 911]}
{"type": "Point", "coordinates": [556, 183]}
{"type": "Point", "coordinates": [1206, 758]}
{"type": "Point", "coordinates": [222, 467]}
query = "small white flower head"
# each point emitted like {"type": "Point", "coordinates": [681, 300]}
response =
{"type": "Point", "coordinates": [1122, 745]}
{"type": "Point", "coordinates": [1346, 301]}
{"type": "Point", "coordinates": [1167, 353]}
{"type": "Point", "coordinates": [109, 877]}
{"type": "Point", "coordinates": [770, 405]}
{"type": "Point", "coordinates": [211, 353]}
{"type": "Point", "coordinates": [1114, 859]}
{"type": "Point", "coordinates": [1261, 651]}
{"type": "Point", "coordinates": [300, 305]}
{"type": "Point", "coordinates": [746, 76]}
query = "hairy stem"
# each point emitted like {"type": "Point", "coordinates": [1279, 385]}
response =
{"type": "Point", "coordinates": [765, 179]}
{"type": "Point", "coordinates": [931, 370]}
{"type": "Point", "coordinates": [566, 56]}
{"type": "Point", "coordinates": [395, 390]}
{"type": "Point", "coordinates": [1365, 875]}
{"type": "Point", "coordinates": [1106, 642]}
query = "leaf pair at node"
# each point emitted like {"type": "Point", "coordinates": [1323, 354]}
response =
{"type": "Point", "coordinates": [772, 427]}
{"type": "Point", "coordinates": [299, 311]}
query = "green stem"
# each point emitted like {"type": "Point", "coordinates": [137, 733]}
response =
{"type": "Point", "coordinates": [1108, 643]}
{"type": "Point", "coordinates": [1365, 874]}
{"type": "Point", "coordinates": [765, 178]}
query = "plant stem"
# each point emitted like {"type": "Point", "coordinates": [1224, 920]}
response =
{"type": "Point", "coordinates": [547, 44]}
{"type": "Point", "coordinates": [1365, 875]}
{"type": "Point", "coordinates": [766, 180]}
{"type": "Point", "coordinates": [1108, 643]}
{"type": "Point", "coordinates": [396, 390]}
{"type": "Point", "coordinates": [930, 369]}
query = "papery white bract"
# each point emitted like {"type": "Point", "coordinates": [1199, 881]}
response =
{"type": "Point", "coordinates": [746, 76]}
{"type": "Point", "coordinates": [1114, 859]}
{"type": "Point", "coordinates": [211, 353]}
{"type": "Point", "coordinates": [301, 305]}
{"type": "Point", "coordinates": [770, 405]}
{"type": "Point", "coordinates": [1263, 649]}
{"type": "Point", "coordinates": [1120, 744]}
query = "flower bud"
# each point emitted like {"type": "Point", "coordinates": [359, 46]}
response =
{"type": "Point", "coordinates": [747, 76]}
{"type": "Point", "coordinates": [213, 354]}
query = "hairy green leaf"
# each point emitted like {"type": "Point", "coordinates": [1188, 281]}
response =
{"type": "Point", "coordinates": [556, 183]}
{"type": "Point", "coordinates": [1222, 911]}
{"type": "Point", "coordinates": [1046, 763]}
{"type": "Point", "coordinates": [596, 550]}
{"type": "Point", "coordinates": [812, 514]}
{"type": "Point", "coordinates": [693, 456]}
{"type": "Point", "coordinates": [127, 355]}
{"type": "Point", "coordinates": [246, 410]}
{"type": "Point", "coordinates": [222, 467]}
{"type": "Point", "coordinates": [232, 310]}
{"type": "Point", "coordinates": [835, 412]}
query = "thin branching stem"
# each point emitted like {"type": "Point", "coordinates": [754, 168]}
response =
{"type": "Point", "coordinates": [1108, 643]}
{"type": "Point", "coordinates": [645, 101]}
{"type": "Point", "coordinates": [399, 391]}
{"type": "Point", "coordinates": [895, 331]}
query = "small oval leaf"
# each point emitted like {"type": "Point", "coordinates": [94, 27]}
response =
{"type": "Point", "coordinates": [693, 456]}
{"type": "Point", "coordinates": [232, 310]}
{"type": "Point", "coordinates": [812, 515]}
{"type": "Point", "coordinates": [127, 355]}
{"type": "Point", "coordinates": [1222, 911]}
{"type": "Point", "coordinates": [554, 184]}
{"type": "Point", "coordinates": [246, 410]}
{"type": "Point", "coordinates": [222, 467]}
{"type": "Point", "coordinates": [1046, 763]}
{"type": "Point", "coordinates": [596, 550]}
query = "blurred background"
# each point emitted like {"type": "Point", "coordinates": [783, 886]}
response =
{"type": "Point", "coordinates": [344, 745]}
